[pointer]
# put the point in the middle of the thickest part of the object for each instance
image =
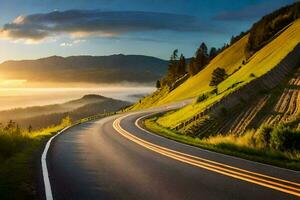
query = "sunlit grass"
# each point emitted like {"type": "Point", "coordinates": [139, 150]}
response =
{"type": "Point", "coordinates": [259, 64]}
{"type": "Point", "coordinates": [246, 146]}
{"type": "Point", "coordinates": [244, 140]}
{"type": "Point", "coordinates": [19, 150]}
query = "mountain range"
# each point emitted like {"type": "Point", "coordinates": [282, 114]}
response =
{"type": "Point", "coordinates": [87, 69]}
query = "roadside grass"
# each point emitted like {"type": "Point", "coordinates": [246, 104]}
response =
{"type": "Point", "coordinates": [242, 146]}
{"type": "Point", "coordinates": [19, 153]}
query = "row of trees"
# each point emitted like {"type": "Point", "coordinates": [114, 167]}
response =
{"type": "Point", "coordinates": [178, 66]}
{"type": "Point", "coordinates": [201, 59]}
{"type": "Point", "coordinates": [267, 27]}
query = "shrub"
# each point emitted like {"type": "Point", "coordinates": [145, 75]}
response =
{"type": "Point", "coordinates": [11, 140]}
{"type": "Point", "coordinates": [235, 84]}
{"type": "Point", "coordinates": [67, 121]}
{"type": "Point", "coordinates": [202, 98]}
{"type": "Point", "coordinates": [263, 136]}
{"type": "Point", "coordinates": [252, 75]}
{"type": "Point", "coordinates": [214, 91]}
{"type": "Point", "coordinates": [283, 138]}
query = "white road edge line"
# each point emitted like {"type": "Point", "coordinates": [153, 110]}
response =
{"type": "Point", "coordinates": [47, 185]}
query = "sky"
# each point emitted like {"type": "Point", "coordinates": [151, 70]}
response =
{"type": "Point", "coordinates": [31, 29]}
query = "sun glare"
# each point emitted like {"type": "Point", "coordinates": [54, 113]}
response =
{"type": "Point", "coordinates": [12, 82]}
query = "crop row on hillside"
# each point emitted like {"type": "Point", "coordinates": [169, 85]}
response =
{"type": "Point", "coordinates": [261, 63]}
{"type": "Point", "coordinates": [268, 109]}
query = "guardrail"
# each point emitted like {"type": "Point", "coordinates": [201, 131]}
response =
{"type": "Point", "coordinates": [265, 82]}
{"type": "Point", "coordinates": [94, 117]}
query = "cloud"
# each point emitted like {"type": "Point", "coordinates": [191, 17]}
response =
{"type": "Point", "coordinates": [82, 23]}
{"type": "Point", "coordinates": [249, 12]}
{"type": "Point", "coordinates": [69, 44]}
{"type": "Point", "coordinates": [66, 44]}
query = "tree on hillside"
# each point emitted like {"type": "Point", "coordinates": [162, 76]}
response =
{"type": "Point", "coordinates": [158, 85]}
{"type": "Point", "coordinates": [193, 68]}
{"type": "Point", "coordinates": [176, 68]}
{"type": "Point", "coordinates": [218, 75]}
{"type": "Point", "coordinates": [213, 53]}
{"type": "Point", "coordinates": [181, 69]}
{"type": "Point", "coordinates": [172, 67]}
{"type": "Point", "coordinates": [267, 27]}
{"type": "Point", "coordinates": [201, 57]}
{"type": "Point", "coordinates": [204, 48]}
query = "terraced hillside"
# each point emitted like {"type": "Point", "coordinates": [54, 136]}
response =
{"type": "Point", "coordinates": [253, 108]}
{"type": "Point", "coordinates": [288, 104]}
{"type": "Point", "coordinates": [258, 65]}
{"type": "Point", "coordinates": [282, 104]}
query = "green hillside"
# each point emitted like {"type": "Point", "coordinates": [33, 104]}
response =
{"type": "Point", "coordinates": [230, 59]}
{"type": "Point", "coordinates": [260, 63]}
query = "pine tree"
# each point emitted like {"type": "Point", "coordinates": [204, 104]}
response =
{"type": "Point", "coordinates": [193, 69]}
{"type": "Point", "coordinates": [172, 68]}
{"type": "Point", "coordinates": [213, 53]}
{"type": "Point", "coordinates": [181, 66]}
{"type": "Point", "coordinates": [204, 48]}
{"type": "Point", "coordinates": [158, 85]}
{"type": "Point", "coordinates": [201, 57]}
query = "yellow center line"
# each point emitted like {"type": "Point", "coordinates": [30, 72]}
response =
{"type": "Point", "coordinates": [217, 163]}
{"type": "Point", "coordinates": [227, 166]}
{"type": "Point", "coordinates": [195, 161]}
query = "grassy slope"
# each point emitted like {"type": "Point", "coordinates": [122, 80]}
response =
{"type": "Point", "coordinates": [230, 59]}
{"type": "Point", "coordinates": [260, 63]}
{"type": "Point", "coordinates": [17, 172]}
{"type": "Point", "coordinates": [151, 100]}
{"type": "Point", "coordinates": [231, 145]}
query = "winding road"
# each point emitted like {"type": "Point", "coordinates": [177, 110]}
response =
{"type": "Point", "coordinates": [116, 158]}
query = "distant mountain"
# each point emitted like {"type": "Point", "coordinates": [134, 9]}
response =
{"type": "Point", "coordinates": [88, 69]}
{"type": "Point", "coordinates": [32, 111]}
{"type": "Point", "coordinates": [43, 116]}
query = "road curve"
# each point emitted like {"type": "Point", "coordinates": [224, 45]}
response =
{"type": "Point", "coordinates": [114, 158]}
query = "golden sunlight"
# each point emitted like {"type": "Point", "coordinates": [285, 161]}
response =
{"type": "Point", "coordinates": [12, 82]}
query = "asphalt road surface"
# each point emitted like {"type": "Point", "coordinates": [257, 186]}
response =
{"type": "Point", "coordinates": [114, 158]}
